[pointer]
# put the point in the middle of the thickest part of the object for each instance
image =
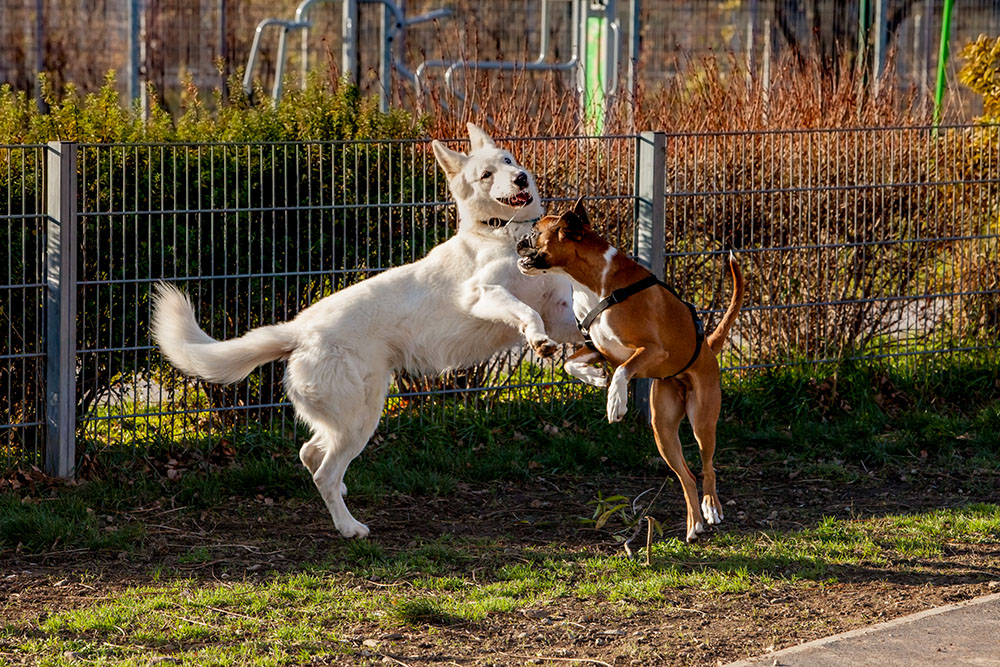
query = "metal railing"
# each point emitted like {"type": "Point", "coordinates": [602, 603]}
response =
{"type": "Point", "coordinates": [869, 244]}
{"type": "Point", "coordinates": [22, 304]}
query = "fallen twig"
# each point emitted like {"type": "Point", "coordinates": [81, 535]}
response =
{"type": "Point", "coordinates": [591, 661]}
{"type": "Point", "coordinates": [188, 620]}
{"type": "Point", "coordinates": [649, 538]}
{"type": "Point", "coordinates": [395, 660]}
{"type": "Point", "coordinates": [693, 611]}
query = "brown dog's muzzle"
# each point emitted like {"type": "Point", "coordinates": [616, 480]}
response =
{"type": "Point", "coordinates": [530, 257]}
{"type": "Point", "coordinates": [527, 244]}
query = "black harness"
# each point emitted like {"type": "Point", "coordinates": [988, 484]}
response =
{"type": "Point", "coordinates": [623, 293]}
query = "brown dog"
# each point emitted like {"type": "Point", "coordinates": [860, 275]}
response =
{"type": "Point", "coordinates": [650, 333]}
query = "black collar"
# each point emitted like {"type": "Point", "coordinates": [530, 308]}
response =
{"type": "Point", "coordinates": [623, 293]}
{"type": "Point", "coordinates": [497, 223]}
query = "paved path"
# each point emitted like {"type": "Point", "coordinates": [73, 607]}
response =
{"type": "Point", "coordinates": [967, 633]}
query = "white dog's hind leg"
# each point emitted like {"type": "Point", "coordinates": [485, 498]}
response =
{"type": "Point", "coordinates": [329, 479]}
{"type": "Point", "coordinates": [342, 444]}
{"type": "Point", "coordinates": [312, 456]}
{"type": "Point", "coordinates": [310, 453]}
{"type": "Point", "coordinates": [342, 402]}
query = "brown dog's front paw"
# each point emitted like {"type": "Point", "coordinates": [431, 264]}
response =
{"type": "Point", "coordinates": [544, 347]}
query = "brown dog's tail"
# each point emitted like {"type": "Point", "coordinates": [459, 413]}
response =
{"type": "Point", "coordinates": [717, 337]}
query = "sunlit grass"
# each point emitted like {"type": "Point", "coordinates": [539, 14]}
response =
{"type": "Point", "coordinates": [945, 419]}
{"type": "Point", "coordinates": [268, 621]}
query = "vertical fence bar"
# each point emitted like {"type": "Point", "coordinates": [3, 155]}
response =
{"type": "Point", "coordinates": [650, 223]}
{"type": "Point", "coordinates": [385, 61]}
{"type": "Point", "coordinates": [134, 39]}
{"type": "Point", "coordinates": [60, 275]}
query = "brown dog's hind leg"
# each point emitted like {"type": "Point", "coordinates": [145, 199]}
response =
{"type": "Point", "coordinates": [703, 406]}
{"type": "Point", "coordinates": [666, 400]}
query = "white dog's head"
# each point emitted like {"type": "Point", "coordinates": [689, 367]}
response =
{"type": "Point", "coordinates": [490, 188]}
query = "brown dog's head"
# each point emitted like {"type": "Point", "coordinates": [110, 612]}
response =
{"type": "Point", "coordinates": [550, 245]}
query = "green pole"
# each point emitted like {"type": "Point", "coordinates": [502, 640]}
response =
{"type": "Point", "coordinates": [595, 75]}
{"type": "Point", "coordinates": [942, 60]}
{"type": "Point", "coordinates": [862, 29]}
{"type": "Point", "coordinates": [864, 24]}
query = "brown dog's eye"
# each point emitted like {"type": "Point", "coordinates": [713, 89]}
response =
{"type": "Point", "coordinates": [486, 174]}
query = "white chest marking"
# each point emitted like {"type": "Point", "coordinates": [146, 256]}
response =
{"type": "Point", "coordinates": [602, 334]}
{"type": "Point", "coordinates": [608, 256]}
{"type": "Point", "coordinates": [605, 338]}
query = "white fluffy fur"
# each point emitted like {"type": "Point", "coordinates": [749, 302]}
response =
{"type": "Point", "coordinates": [461, 303]}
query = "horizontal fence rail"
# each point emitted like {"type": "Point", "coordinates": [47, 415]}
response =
{"type": "Point", "coordinates": [855, 244]}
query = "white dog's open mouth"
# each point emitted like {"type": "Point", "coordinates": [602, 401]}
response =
{"type": "Point", "coordinates": [522, 198]}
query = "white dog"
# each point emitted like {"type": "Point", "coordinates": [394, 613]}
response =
{"type": "Point", "coordinates": [457, 306]}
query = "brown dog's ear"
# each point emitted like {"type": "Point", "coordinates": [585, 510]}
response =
{"type": "Point", "coordinates": [571, 226]}
{"type": "Point", "coordinates": [581, 211]}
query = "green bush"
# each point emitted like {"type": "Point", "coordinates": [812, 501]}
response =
{"type": "Point", "coordinates": [981, 73]}
{"type": "Point", "coordinates": [325, 110]}
{"type": "Point", "coordinates": [218, 190]}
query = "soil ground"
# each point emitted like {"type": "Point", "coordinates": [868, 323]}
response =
{"type": "Point", "coordinates": [250, 539]}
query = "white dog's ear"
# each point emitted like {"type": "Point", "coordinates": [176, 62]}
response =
{"type": "Point", "coordinates": [478, 138]}
{"type": "Point", "coordinates": [451, 161]}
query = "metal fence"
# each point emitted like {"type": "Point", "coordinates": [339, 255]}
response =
{"type": "Point", "coordinates": [22, 304]}
{"type": "Point", "coordinates": [209, 40]}
{"type": "Point", "coordinates": [869, 244]}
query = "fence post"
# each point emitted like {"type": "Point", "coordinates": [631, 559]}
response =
{"type": "Point", "coordinates": [650, 223]}
{"type": "Point", "coordinates": [60, 308]}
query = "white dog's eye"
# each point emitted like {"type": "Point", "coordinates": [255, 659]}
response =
{"type": "Point", "coordinates": [508, 160]}
{"type": "Point", "coordinates": [486, 174]}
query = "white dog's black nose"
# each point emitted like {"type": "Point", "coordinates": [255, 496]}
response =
{"type": "Point", "coordinates": [521, 180]}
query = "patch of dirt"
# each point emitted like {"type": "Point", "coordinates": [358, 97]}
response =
{"type": "Point", "coordinates": [251, 538]}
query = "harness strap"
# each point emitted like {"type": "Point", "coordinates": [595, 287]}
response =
{"type": "Point", "coordinates": [623, 293]}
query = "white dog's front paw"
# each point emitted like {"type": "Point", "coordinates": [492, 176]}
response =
{"type": "Point", "coordinates": [543, 346]}
{"type": "Point", "coordinates": [617, 396]}
{"type": "Point", "coordinates": [343, 489]}
{"type": "Point", "coordinates": [353, 529]}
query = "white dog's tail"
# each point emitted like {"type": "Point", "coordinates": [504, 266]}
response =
{"type": "Point", "coordinates": [718, 337]}
{"type": "Point", "coordinates": [195, 353]}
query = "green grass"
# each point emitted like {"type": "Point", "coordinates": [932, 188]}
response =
{"type": "Point", "coordinates": [855, 427]}
{"type": "Point", "coordinates": [39, 525]}
{"type": "Point", "coordinates": [814, 422]}
{"type": "Point", "coordinates": [286, 618]}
